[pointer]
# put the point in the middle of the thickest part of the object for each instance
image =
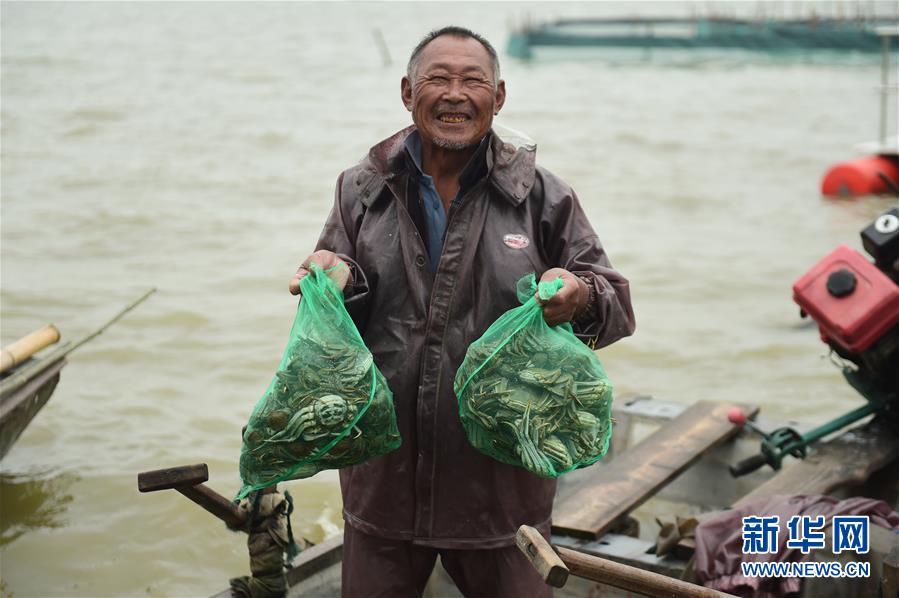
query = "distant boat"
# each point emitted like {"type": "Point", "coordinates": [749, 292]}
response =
{"type": "Point", "coordinates": [772, 36]}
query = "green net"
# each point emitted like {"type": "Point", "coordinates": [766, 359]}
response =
{"type": "Point", "coordinates": [533, 395]}
{"type": "Point", "coordinates": [328, 405]}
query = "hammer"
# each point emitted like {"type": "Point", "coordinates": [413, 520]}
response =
{"type": "Point", "coordinates": [188, 480]}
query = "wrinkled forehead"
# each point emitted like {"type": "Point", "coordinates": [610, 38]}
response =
{"type": "Point", "coordinates": [455, 54]}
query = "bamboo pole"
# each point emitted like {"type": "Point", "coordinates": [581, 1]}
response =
{"type": "Point", "coordinates": [17, 352]}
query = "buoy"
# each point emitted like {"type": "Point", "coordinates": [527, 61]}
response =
{"type": "Point", "coordinates": [862, 177]}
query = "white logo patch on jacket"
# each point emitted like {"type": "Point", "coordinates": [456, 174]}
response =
{"type": "Point", "coordinates": [516, 241]}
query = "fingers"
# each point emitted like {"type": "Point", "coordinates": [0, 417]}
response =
{"type": "Point", "coordinates": [563, 296]}
{"type": "Point", "coordinates": [557, 310]}
{"type": "Point", "coordinates": [294, 286]}
{"type": "Point", "coordinates": [325, 260]}
{"type": "Point", "coordinates": [555, 317]}
{"type": "Point", "coordinates": [562, 306]}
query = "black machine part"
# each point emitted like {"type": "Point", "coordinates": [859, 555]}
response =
{"type": "Point", "coordinates": [878, 365]}
{"type": "Point", "coordinates": [881, 240]}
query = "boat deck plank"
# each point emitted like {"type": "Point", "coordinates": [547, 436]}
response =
{"type": "Point", "coordinates": [624, 484]}
{"type": "Point", "coordinates": [847, 460]}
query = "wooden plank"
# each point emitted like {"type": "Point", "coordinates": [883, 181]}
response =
{"type": "Point", "coordinates": [633, 477]}
{"type": "Point", "coordinates": [847, 460]}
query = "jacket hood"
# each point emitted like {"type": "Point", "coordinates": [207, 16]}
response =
{"type": "Point", "coordinates": [511, 162]}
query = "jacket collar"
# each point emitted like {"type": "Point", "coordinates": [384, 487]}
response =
{"type": "Point", "coordinates": [474, 170]}
{"type": "Point", "coordinates": [511, 160]}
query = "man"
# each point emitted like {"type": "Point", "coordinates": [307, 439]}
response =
{"type": "Point", "coordinates": [436, 225]}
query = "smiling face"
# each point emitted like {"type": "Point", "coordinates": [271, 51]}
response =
{"type": "Point", "coordinates": [452, 96]}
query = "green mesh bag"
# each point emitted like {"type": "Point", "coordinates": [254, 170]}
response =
{"type": "Point", "coordinates": [533, 395]}
{"type": "Point", "coordinates": [328, 405]}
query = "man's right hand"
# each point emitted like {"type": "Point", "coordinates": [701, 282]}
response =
{"type": "Point", "coordinates": [325, 260]}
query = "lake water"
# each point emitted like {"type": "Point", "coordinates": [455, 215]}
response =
{"type": "Point", "coordinates": [193, 147]}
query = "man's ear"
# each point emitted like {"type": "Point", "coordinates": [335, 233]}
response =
{"type": "Point", "coordinates": [406, 93]}
{"type": "Point", "coordinates": [500, 97]}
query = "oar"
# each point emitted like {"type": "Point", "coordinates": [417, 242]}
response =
{"type": "Point", "coordinates": [18, 378]}
{"type": "Point", "coordinates": [555, 563]}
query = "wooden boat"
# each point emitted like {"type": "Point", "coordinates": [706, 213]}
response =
{"type": "Point", "coordinates": [27, 387]}
{"type": "Point", "coordinates": [778, 36]}
{"type": "Point", "coordinates": [661, 453]}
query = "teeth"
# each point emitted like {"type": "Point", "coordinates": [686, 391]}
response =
{"type": "Point", "coordinates": [453, 119]}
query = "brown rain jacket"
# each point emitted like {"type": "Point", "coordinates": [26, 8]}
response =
{"type": "Point", "coordinates": [436, 489]}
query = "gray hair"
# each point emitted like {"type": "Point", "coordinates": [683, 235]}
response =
{"type": "Point", "coordinates": [458, 32]}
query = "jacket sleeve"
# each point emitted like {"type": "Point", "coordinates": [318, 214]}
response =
{"type": "Point", "coordinates": [571, 243]}
{"type": "Point", "coordinates": [339, 236]}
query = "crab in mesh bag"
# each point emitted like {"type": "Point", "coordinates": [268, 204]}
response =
{"type": "Point", "coordinates": [328, 406]}
{"type": "Point", "coordinates": [533, 395]}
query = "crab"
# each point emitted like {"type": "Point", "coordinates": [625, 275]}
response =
{"type": "Point", "coordinates": [553, 381]}
{"type": "Point", "coordinates": [590, 392]}
{"type": "Point", "coordinates": [325, 416]}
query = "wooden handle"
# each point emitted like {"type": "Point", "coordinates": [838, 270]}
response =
{"type": "Point", "coordinates": [632, 579]}
{"type": "Point", "coordinates": [172, 477]}
{"type": "Point", "coordinates": [188, 480]}
{"type": "Point", "coordinates": [215, 503]}
{"type": "Point", "coordinates": [27, 346]}
{"type": "Point", "coordinates": [542, 556]}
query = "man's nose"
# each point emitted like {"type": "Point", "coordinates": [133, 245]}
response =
{"type": "Point", "coordinates": [454, 90]}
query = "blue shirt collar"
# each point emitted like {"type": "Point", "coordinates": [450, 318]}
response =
{"type": "Point", "coordinates": [474, 170]}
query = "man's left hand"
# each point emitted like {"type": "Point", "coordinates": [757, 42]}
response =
{"type": "Point", "coordinates": [568, 301]}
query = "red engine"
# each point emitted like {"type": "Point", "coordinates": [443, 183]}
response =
{"type": "Point", "coordinates": [856, 306]}
{"type": "Point", "coordinates": [852, 301]}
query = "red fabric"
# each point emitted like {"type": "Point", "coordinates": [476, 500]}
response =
{"type": "Point", "coordinates": [719, 540]}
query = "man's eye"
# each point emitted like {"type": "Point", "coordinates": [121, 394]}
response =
{"type": "Point", "coordinates": [439, 79]}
